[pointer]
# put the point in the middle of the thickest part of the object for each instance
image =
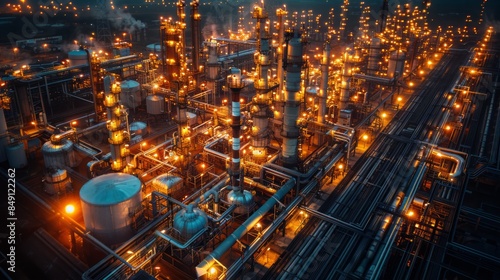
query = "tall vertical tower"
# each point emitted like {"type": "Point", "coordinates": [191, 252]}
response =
{"type": "Point", "coordinates": [103, 32]}
{"type": "Point", "coordinates": [242, 198]}
{"type": "Point", "coordinates": [260, 111]}
{"type": "Point", "coordinates": [290, 130]}
{"type": "Point", "coordinates": [195, 36]}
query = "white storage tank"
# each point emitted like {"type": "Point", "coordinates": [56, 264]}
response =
{"type": "Point", "coordinates": [167, 183]}
{"type": "Point", "coordinates": [108, 203]}
{"type": "Point", "coordinates": [57, 181]}
{"type": "Point", "coordinates": [190, 221]}
{"type": "Point", "coordinates": [138, 128]}
{"type": "Point", "coordinates": [77, 57]}
{"type": "Point", "coordinates": [130, 95]}
{"type": "Point", "coordinates": [243, 199]}
{"type": "Point", "coordinates": [59, 155]}
{"type": "Point", "coordinates": [155, 104]}
{"type": "Point", "coordinates": [16, 155]}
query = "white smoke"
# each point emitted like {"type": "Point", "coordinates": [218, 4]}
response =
{"type": "Point", "coordinates": [125, 21]}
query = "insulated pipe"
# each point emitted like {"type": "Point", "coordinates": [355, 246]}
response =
{"type": "Point", "coordinates": [458, 159]}
{"type": "Point", "coordinates": [302, 178]}
{"type": "Point", "coordinates": [380, 233]}
{"type": "Point", "coordinates": [325, 61]}
{"type": "Point", "coordinates": [203, 267]}
{"type": "Point", "coordinates": [290, 130]}
{"type": "Point", "coordinates": [487, 125]}
{"type": "Point", "coordinates": [375, 79]}
{"type": "Point", "coordinates": [252, 183]}
{"type": "Point", "coordinates": [178, 244]}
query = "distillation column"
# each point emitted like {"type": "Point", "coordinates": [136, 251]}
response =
{"type": "Point", "coordinates": [280, 13]}
{"type": "Point", "coordinates": [346, 82]}
{"type": "Point", "coordinates": [173, 50]}
{"type": "Point", "coordinates": [373, 57]}
{"type": "Point", "coordinates": [260, 110]}
{"type": "Point", "coordinates": [195, 37]}
{"type": "Point", "coordinates": [325, 62]}
{"type": "Point", "coordinates": [290, 130]}
{"type": "Point", "coordinates": [116, 124]}
{"type": "Point", "coordinates": [237, 196]}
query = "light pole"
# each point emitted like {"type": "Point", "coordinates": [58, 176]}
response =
{"type": "Point", "coordinates": [365, 138]}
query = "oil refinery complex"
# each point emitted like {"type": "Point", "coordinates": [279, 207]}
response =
{"type": "Point", "coordinates": [291, 147]}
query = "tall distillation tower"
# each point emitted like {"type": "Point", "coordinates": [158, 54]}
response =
{"type": "Point", "coordinates": [260, 109]}
{"type": "Point", "coordinates": [290, 130]}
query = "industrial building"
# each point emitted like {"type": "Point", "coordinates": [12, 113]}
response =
{"type": "Point", "coordinates": [290, 148]}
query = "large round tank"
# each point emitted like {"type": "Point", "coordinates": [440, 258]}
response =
{"type": "Point", "coordinates": [16, 155]}
{"type": "Point", "coordinates": [190, 221]}
{"type": "Point", "coordinates": [138, 128]}
{"type": "Point", "coordinates": [167, 183]}
{"type": "Point", "coordinates": [130, 95]}
{"type": "Point", "coordinates": [57, 181]}
{"type": "Point", "coordinates": [396, 64]}
{"type": "Point", "coordinates": [243, 199]}
{"type": "Point", "coordinates": [155, 104]}
{"type": "Point", "coordinates": [77, 57]}
{"type": "Point", "coordinates": [108, 202]}
{"type": "Point", "coordinates": [60, 155]}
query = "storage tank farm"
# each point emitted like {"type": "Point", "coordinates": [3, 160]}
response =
{"type": "Point", "coordinates": [196, 161]}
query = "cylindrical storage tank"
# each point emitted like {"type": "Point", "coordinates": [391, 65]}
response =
{"type": "Point", "coordinates": [243, 199]}
{"type": "Point", "coordinates": [396, 64]}
{"type": "Point", "coordinates": [155, 104]}
{"type": "Point", "coordinates": [59, 155]}
{"type": "Point", "coordinates": [130, 95]}
{"type": "Point", "coordinates": [167, 184]}
{"type": "Point", "coordinates": [16, 155]}
{"type": "Point", "coordinates": [108, 203]}
{"type": "Point", "coordinates": [190, 221]}
{"type": "Point", "coordinates": [57, 181]}
{"type": "Point", "coordinates": [77, 57]}
{"type": "Point", "coordinates": [138, 128]}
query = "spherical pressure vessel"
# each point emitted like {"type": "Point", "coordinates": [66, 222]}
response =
{"type": "Point", "coordinates": [190, 221]}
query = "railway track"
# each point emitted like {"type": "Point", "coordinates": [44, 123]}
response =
{"type": "Point", "coordinates": [372, 190]}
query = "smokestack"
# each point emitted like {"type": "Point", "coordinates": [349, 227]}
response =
{"type": "Point", "coordinates": [290, 130]}
{"type": "Point", "coordinates": [237, 196]}
{"type": "Point", "coordinates": [235, 83]}
{"type": "Point", "coordinates": [324, 83]}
